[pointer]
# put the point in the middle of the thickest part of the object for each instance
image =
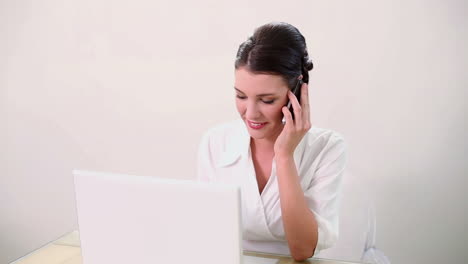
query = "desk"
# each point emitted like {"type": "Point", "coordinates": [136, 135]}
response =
{"type": "Point", "coordinates": [66, 250]}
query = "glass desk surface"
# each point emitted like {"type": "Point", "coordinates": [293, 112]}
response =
{"type": "Point", "coordinates": [66, 250]}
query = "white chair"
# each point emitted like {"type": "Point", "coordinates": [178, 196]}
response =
{"type": "Point", "coordinates": [357, 232]}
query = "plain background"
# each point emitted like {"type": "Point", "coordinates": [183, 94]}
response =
{"type": "Point", "coordinates": [130, 86]}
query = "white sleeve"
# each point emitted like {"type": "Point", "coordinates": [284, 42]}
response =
{"type": "Point", "coordinates": [205, 169]}
{"type": "Point", "coordinates": [324, 190]}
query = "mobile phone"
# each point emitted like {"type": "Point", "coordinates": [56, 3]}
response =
{"type": "Point", "coordinates": [297, 92]}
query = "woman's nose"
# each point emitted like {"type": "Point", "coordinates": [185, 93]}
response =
{"type": "Point", "coordinates": [252, 112]}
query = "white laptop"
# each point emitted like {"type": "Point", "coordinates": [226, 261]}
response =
{"type": "Point", "coordinates": [127, 219]}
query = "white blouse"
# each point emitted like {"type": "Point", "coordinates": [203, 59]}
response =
{"type": "Point", "coordinates": [224, 156]}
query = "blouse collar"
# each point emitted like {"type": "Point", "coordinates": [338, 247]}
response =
{"type": "Point", "coordinates": [237, 143]}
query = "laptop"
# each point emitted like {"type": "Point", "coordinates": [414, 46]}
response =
{"type": "Point", "coordinates": [126, 219]}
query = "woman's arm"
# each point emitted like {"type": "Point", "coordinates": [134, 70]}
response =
{"type": "Point", "coordinates": [300, 226]}
{"type": "Point", "coordinates": [299, 223]}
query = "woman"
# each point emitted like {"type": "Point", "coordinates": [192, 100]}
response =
{"type": "Point", "coordinates": [290, 173]}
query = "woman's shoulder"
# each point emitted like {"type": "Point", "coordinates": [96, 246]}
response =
{"type": "Point", "coordinates": [323, 146]}
{"type": "Point", "coordinates": [323, 138]}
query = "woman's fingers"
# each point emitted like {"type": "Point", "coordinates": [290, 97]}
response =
{"type": "Point", "coordinates": [287, 117]}
{"type": "Point", "coordinates": [305, 106]}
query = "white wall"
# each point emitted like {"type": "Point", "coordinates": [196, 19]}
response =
{"type": "Point", "coordinates": [130, 86]}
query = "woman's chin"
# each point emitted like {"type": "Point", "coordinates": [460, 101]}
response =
{"type": "Point", "coordinates": [256, 134]}
{"type": "Point", "coordinates": [259, 134]}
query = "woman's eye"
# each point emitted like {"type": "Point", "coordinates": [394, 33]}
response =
{"type": "Point", "coordinates": [268, 102]}
{"type": "Point", "coordinates": [240, 97]}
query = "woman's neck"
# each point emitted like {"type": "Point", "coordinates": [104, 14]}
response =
{"type": "Point", "coordinates": [262, 145]}
{"type": "Point", "coordinates": [265, 145]}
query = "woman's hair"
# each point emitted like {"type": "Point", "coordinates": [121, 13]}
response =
{"type": "Point", "coordinates": [276, 48]}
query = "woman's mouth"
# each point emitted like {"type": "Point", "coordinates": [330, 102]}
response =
{"type": "Point", "coordinates": [256, 125]}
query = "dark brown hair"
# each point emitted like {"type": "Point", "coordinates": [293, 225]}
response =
{"type": "Point", "coordinates": [276, 48]}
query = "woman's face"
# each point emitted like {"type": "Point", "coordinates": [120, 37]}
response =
{"type": "Point", "coordinates": [259, 99]}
